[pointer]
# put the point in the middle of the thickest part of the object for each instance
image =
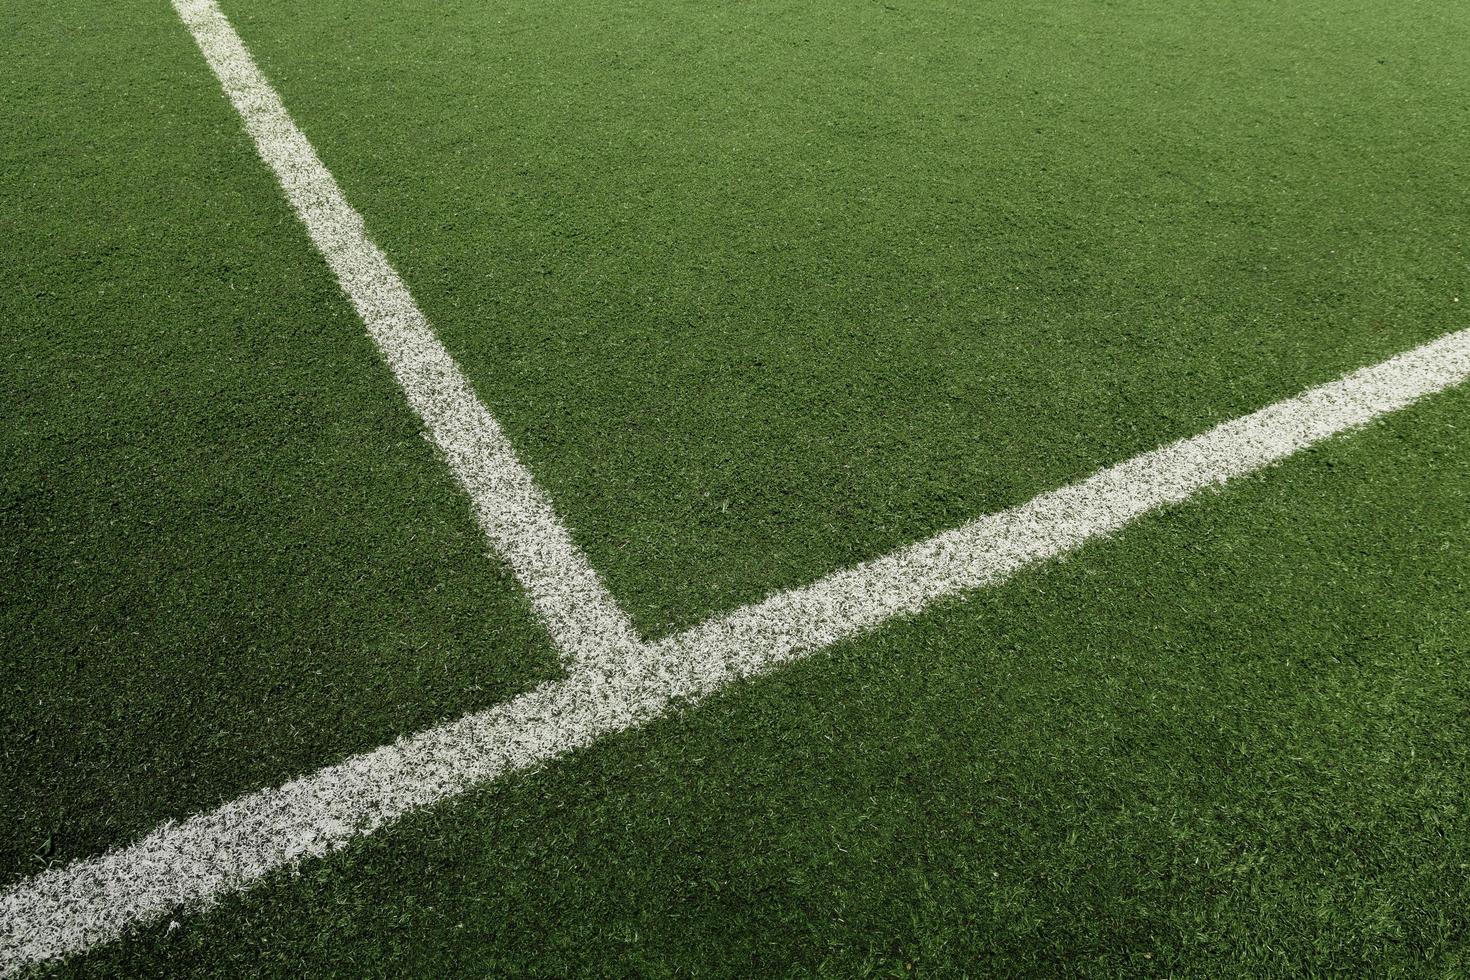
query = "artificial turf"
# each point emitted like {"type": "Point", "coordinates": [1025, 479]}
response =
{"type": "Point", "coordinates": [764, 289]}
{"type": "Point", "coordinates": [758, 290]}
{"type": "Point", "coordinates": [1231, 742]}
{"type": "Point", "coordinates": [229, 555]}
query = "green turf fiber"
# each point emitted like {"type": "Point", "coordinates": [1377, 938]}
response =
{"type": "Point", "coordinates": [1231, 742]}
{"type": "Point", "coordinates": [758, 290]}
{"type": "Point", "coordinates": [229, 557]}
{"type": "Point", "coordinates": [763, 289]}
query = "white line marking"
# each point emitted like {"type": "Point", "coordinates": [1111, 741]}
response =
{"type": "Point", "coordinates": [196, 862]}
{"type": "Point", "coordinates": [583, 619]}
{"type": "Point", "coordinates": [992, 548]}
{"type": "Point", "coordinates": [617, 682]}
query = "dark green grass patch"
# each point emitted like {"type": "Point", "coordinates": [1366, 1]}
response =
{"type": "Point", "coordinates": [764, 288]}
{"type": "Point", "coordinates": [228, 556]}
{"type": "Point", "coordinates": [1232, 742]}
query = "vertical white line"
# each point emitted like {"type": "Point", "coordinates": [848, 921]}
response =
{"type": "Point", "coordinates": [584, 620]}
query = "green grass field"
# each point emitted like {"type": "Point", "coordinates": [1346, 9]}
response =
{"type": "Point", "coordinates": [757, 291]}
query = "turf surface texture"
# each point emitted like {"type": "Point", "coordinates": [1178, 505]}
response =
{"type": "Point", "coordinates": [758, 291]}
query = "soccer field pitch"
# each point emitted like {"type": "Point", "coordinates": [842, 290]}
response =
{"type": "Point", "coordinates": [849, 488]}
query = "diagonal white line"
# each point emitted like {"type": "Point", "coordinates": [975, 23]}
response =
{"type": "Point", "coordinates": [617, 682]}
{"type": "Point", "coordinates": [193, 863]}
{"type": "Point", "coordinates": [992, 548]}
{"type": "Point", "coordinates": [514, 513]}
